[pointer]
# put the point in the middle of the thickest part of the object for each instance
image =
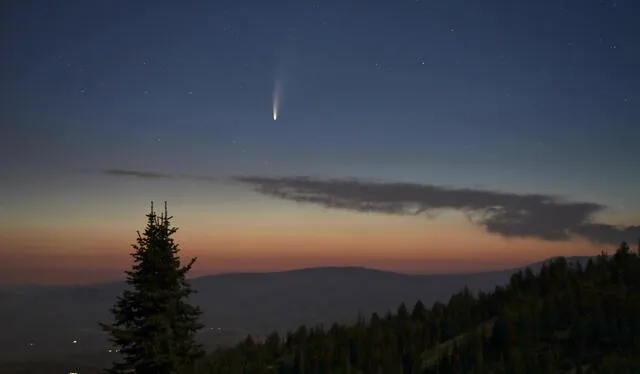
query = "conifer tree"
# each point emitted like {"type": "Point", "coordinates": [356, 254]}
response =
{"type": "Point", "coordinates": [154, 326]}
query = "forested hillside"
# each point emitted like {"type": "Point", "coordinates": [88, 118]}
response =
{"type": "Point", "coordinates": [568, 318]}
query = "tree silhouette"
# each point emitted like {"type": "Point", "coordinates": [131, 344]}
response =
{"type": "Point", "coordinates": [154, 327]}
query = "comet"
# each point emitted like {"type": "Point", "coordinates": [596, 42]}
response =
{"type": "Point", "coordinates": [277, 93]}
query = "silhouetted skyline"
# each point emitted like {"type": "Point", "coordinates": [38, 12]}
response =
{"type": "Point", "coordinates": [511, 125]}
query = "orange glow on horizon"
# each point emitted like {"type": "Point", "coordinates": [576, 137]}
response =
{"type": "Point", "coordinates": [80, 256]}
{"type": "Point", "coordinates": [287, 239]}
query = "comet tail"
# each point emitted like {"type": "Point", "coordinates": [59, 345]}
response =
{"type": "Point", "coordinates": [276, 100]}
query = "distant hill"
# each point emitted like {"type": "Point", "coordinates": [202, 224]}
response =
{"type": "Point", "coordinates": [45, 321]}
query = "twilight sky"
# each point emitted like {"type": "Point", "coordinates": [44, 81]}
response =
{"type": "Point", "coordinates": [412, 135]}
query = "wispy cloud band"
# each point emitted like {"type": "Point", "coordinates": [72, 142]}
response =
{"type": "Point", "coordinates": [155, 175]}
{"type": "Point", "coordinates": [136, 173]}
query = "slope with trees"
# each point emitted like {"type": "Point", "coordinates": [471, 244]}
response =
{"type": "Point", "coordinates": [566, 318]}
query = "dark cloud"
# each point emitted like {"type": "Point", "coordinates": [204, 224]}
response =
{"type": "Point", "coordinates": [154, 175]}
{"type": "Point", "coordinates": [135, 173]}
{"type": "Point", "coordinates": [506, 214]}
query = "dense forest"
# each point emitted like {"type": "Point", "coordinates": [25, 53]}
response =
{"type": "Point", "coordinates": [568, 318]}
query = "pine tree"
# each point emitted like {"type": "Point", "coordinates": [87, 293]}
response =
{"type": "Point", "coordinates": [154, 327]}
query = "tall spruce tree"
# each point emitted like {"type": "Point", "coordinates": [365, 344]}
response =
{"type": "Point", "coordinates": [154, 326]}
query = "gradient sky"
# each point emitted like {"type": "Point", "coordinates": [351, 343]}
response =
{"type": "Point", "coordinates": [511, 97]}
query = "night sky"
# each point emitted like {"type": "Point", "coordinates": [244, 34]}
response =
{"type": "Point", "coordinates": [418, 135]}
